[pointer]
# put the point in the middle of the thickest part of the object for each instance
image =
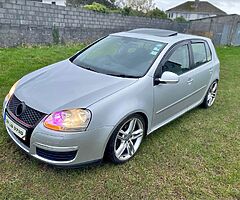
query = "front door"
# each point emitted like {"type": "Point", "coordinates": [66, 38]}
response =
{"type": "Point", "coordinates": [172, 99]}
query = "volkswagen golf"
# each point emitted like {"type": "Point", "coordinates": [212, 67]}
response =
{"type": "Point", "coordinates": [104, 100]}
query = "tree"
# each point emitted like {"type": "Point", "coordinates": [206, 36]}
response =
{"type": "Point", "coordinates": [156, 13]}
{"type": "Point", "coordinates": [77, 3]}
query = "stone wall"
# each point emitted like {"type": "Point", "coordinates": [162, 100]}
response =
{"type": "Point", "coordinates": [28, 22]}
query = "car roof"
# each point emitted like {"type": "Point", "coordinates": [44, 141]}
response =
{"type": "Point", "coordinates": [159, 35]}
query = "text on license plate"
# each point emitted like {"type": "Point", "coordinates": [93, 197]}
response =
{"type": "Point", "coordinates": [17, 130]}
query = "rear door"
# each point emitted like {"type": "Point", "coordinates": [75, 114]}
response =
{"type": "Point", "coordinates": [202, 69]}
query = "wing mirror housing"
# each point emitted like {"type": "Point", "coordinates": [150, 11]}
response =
{"type": "Point", "coordinates": [168, 78]}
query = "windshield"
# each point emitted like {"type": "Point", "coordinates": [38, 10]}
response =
{"type": "Point", "coordinates": [120, 56]}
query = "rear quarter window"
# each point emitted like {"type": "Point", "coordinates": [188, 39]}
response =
{"type": "Point", "coordinates": [208, 51]}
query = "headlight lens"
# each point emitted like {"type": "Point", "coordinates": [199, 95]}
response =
{"type": "Point", "coordinates": [12, 90]}
{"type": "Point", "coordinates": [68, 120]}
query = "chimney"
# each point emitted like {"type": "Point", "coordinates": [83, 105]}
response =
{"type": "Point", "coordinates": [196, 3]}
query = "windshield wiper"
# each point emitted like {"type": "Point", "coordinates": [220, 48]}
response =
{"type": "Point", "coordinates": [122, 75]}
{"type": "Point", "coordinates": [88, 68]}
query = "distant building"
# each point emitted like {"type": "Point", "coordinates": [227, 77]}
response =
{"type": "Point", "coordinates": [192, 10]}
{"type": "Point", "coordinates": [56, 2]}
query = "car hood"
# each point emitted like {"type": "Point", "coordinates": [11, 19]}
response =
{"type": "Point", "coordinates": [64, 86]}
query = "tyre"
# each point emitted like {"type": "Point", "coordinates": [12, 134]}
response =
{"type": "Point", "coordinates": [126, 139]}
{"type": "Point", "coordinates": [211, 95]}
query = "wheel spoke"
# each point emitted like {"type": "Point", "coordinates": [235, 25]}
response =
{"type": "Point", "coordinates": [131, 126]}
{"type": "Point", "coordinates": [136, 134]}
{"type": "Point", "coordinates": [122, 132]}
{"type": "Point", "coordinates": [209, 97]}
{"type": "Point", "coordinates": [121, 149]}
{"type": "Point", "coordinates": [214, 89]}
{"type": "Point", "coordinates": [130, 148]}
{"type": "Point", "coordinates": [120, 137]}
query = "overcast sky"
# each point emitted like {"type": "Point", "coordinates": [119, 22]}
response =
{"type": "Point", "coordinates": [229, 6]}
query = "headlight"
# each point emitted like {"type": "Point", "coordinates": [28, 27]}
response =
{"type": "Point", "coordinates": [12, 90]}
{"type": "Point", "coordinates": [68, 120]}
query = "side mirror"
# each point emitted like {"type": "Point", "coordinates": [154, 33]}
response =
{"type": "Point", "coordinates": [168, 78]}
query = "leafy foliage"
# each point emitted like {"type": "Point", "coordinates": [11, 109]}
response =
{"type": "Point", "coordinates": [142, 8]}
{"type": "Point", "coordinates": [55, 35]}
{"type": "Point", "coordinates": [97, 7]}
{"type": "Point", "coordinates": [77, 3]}
{"type": "Point", "coordinates": [180, 19]}
{"type": "Point", "coordinates": [128, 11]}
{"type": "Point", "coordinates": [157, 13]}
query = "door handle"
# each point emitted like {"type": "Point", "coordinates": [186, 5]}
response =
{"type": "Point", "coordinates": [189, 81]}
{"type": "Point", "coordinates": [211, 70]}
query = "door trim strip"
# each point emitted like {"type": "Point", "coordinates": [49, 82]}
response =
{"type": "Point", "coordinates": [180, 100]}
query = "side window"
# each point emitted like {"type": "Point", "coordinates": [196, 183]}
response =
{"type": "Point", "coordinates": [209, 53]}
{"type": "Point", "coordinates": [178, 62]}
{"type": "Point", "coordinates": [199, 53]}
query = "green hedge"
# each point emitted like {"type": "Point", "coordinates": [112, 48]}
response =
{"type": "Point", "coordinates": [97, 7]}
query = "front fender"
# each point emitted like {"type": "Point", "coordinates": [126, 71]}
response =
{"type": "Point", "coordinates": [111, 110]}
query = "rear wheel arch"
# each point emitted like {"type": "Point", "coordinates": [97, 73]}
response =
{"type": "Point", "coordinates": [212, 98]}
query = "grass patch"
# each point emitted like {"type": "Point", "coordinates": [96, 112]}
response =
{"type": "Point", "coordinates": [194, 157]}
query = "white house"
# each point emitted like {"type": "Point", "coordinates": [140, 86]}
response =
{"type": "Point", "coordinates": [56, 2]}
{"type": "Point", "coordinates": [191, 10]}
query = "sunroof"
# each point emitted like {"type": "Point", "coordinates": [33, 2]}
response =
{"type": "Point", "coordinates": [155, 32]}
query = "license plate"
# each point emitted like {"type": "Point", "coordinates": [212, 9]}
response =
{"type": "Point", "coordinates": [16, 129]}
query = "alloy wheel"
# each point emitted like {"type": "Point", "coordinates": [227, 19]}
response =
{"type": "Point", "coordinates": [212, 94]}
{"type": "Point", "coordinates": [128, 139]}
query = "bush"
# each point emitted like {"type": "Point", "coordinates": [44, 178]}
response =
{"type": "Point", "coordinates": [180, 19]}
{"type": "Point", "coordinates": [55, 35]}
{"type": "Point", "coordinates": [156, 13]}
{"type": "Point", "coordinates": [97, 7]}
{"type": "Point", "coordinates": [128, 11]}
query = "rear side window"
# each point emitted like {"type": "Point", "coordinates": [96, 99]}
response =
{"type": "Point", "coordinates": [199, 53]}
{"type": "Point", "coordinates": [209, 53]}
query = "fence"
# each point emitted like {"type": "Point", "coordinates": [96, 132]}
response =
{"type": "Point", "coordinates": [223, 30]}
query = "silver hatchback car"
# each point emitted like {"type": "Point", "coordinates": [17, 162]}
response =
{"type": "Point", "coordinates": [103, 101]}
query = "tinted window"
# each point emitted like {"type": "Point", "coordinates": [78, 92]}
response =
{"type": "Point", "coordinates": [199, 53]}
{"type": "Point", "coordinates": [209, 53]}
{"type": "Point", "coordinates": [178, 62]}
{"type": "Point", "coordinates": [120, 56]}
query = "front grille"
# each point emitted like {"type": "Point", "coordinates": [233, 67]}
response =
{"type": "Point", "coordinates": [56, 156]}
{"type": "Point", "coordinates": [29, 117]}
{"type": "Point", "coordinates": [27, 120]}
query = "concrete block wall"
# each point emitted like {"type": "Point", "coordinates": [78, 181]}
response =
{"type": "Point", "coordinates": [29, 22]}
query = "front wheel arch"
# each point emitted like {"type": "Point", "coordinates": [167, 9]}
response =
{"type": "Point", "coordinates": [145, 121]}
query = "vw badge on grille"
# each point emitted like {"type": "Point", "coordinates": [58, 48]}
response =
{"type": "Point", "coordinates": [20, 109]}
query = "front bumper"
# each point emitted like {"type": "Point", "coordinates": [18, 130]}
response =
{"type": "Point", "coordinates": [65, 149]}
